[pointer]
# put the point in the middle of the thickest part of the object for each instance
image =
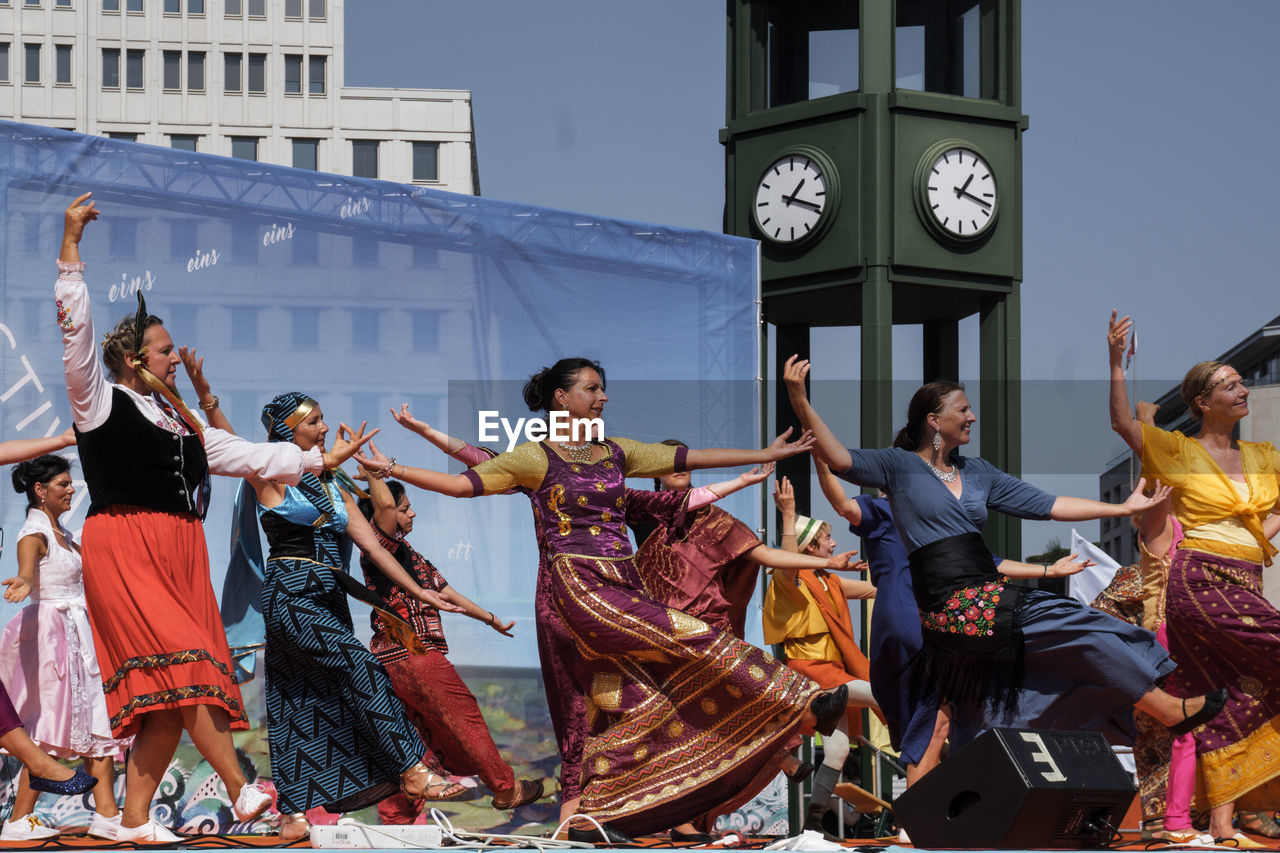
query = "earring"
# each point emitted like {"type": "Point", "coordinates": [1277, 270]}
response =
{"type": "Point", "coordinates": [937, 441]}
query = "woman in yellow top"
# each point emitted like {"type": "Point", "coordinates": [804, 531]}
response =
{"type": "Point", "coordinates": [1222, 631]}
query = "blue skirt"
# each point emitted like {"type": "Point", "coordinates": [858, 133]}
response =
{"type": "Point", "coordinates": [1084, 671]}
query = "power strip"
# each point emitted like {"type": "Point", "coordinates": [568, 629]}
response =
{"type": "Point", "coordinates": [359, 836]}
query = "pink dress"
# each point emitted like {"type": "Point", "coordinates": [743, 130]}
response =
{"type": "Point", "coordinates": [47, 661]}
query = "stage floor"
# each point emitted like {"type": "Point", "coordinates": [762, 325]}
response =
{"type": "Point", "coordinates": [1127, 842]}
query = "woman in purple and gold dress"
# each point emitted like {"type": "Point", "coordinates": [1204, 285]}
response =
{"type": "Point", "coordinates": [685, 721]}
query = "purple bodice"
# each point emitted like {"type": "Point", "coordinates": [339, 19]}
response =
{"type": "Point", "coordinates": [580, 507]}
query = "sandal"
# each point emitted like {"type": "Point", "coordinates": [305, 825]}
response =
{"type": "Point", "coordinates": [436, 788]}
{"type": "Point", "coordinates": [524, 791]}
{"type": "Point", "coordinates": [294, 827]}
{"type": "Point", "coordinates": [1259, 823]}
{"type": "Point", "coordinates": [1213, 704]}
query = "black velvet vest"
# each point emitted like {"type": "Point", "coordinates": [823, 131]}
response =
{"type": "Point", "coordinates": [129, 460]}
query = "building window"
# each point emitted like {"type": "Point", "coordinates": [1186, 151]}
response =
{"type": "Point", "coordinates": [306, 328]}
{"type": "Point", "coordinates": [195, 71]}
{"type": "Point", "coordinates": [426, 330]}
{"type": "Point", "coordinates": [257, 8]}
{"type": "Point", "coordinates": [426, 161]}
{"type": "Point", "coordinates": [244, 147]}
{"type": "Point", "coordinates": [122, 135]}
{"type": "Point", "coordinates": [62, 70]}
{"type": "Point", "coordinates": [183, 141]}
{"type": "Point", "coordinates": [364, 251]}
{"type": "Point", "coordinates": [315, 10]}
{"type": "Point", "coordinates": [292, 74]}
{"type": "Point", "coordinates": [4, 62]}
{"type": "Point", "coordinates": [293, 8]}
{"type": "Point", "coordinates": [257, 73]}
{"type": "Point", "coordinates": [246, 240]}
{"type": "Point", "coordinates": [234, 9]}
{"type": "Point", "coordinates": [62, 4]}
{"type": "Point", "coordinates": [133, 6]}
{"type": "Point", "coordinates": [231, 63]}
{"type": "Point", "coordinates": [111, 5]}
{"type": "Point", "coordinates": [315, 77]}
{"type": "Point", "coordinates": [173, 7]}
{"type": "Point", "coordinates": [306, 154]}
{"type": "Point", "coordinates": [172, 70]}
{"type": "Point", "coordinates": [364, 158]}
{"type": "Point", "coordinates": [33, 2]}
{"type": "Point", "coordinates": [182, 239]}
{"type": "Point", "coordinates": [195, 7]}
{"type": "Point", "coordinates": [425, 255]}
{"type": "Point", "coordinates": [364, 328]}
{"type": "Point", "coordinates": [244, 327]}
{"type": "Point", "coordinates": [110, 68]}
{"type": "Point", "coordinates": [306, 247]}
{"type": "Point", "coordinates": [133, 68]}
{"type": "Point", "coordinates": [32, 71]}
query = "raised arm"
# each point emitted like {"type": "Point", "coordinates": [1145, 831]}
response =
{"type": "Point", "coordinates": [784, 498]}
{"type": "Point", "coordinates": [443, 441]}
{"type": "Point", "coordinates": [1122, 419]}
{"type": "Point", "coordinates": [833, 490]}
{"type": "Point", "coordinates": [384, 504]}
{"type": "Point", "coordinates": [827, 447]}
{"type": "Point", "coordinates": [22, 449]}
{"type": "Point", "coordinates": [87, 388]}
{"type": "Point", "coordinates": [209, 402]}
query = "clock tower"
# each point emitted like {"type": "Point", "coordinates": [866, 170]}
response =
{"type": "Point", "coordinates": [874, 148]}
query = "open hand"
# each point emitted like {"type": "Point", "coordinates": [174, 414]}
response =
{"type": "Point", "coordinates": [77, 216]}
{"type": "Point", "coordinates": [1067, 566]}
{"type": "Point", "coordinates": [844, 562]}
{"type": "Point", "coordinates": [1118, 337]}
{"type": "Point", "coordinates": [195, 370]}
{"type": "Point", "coordinates": [758, 474]}
{"type": "Point", "coordinates": [780, 448]}
{"type": "Point", "coordinates": [503, 628]}
{"type": "Point", "coordinates": [16, 589]}
{"type": "Point", "coordinates": [784, 496]}
{"type": "Point", "coordinates": [793, 376]}
{"type": "Point", "coordinates": [348, 444]}
{"type": "Point", "coordinates": [406, 419]}
{"type": "Point", "coordinates": [1139, 501]}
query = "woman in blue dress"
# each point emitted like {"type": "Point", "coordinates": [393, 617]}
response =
{"type": "Point", "coordinates": [999, 654]}
{"type": "Point", "coordinates": [339, 737]}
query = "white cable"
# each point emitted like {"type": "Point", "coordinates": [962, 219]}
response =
{"type": "Point", "coordinates": [484, 840]}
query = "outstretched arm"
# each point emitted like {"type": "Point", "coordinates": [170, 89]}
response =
{"type": "Point", "coordinates": [827, 447]}
{"type": "Point", "coordinates": [790, 561]}
{"type": "Point", "coordinates": [21, 449]}
{"type": "Point", "coordinates": [1084, 509]}
{"type": "Point", "coordinates": [1068, 565]}
{"type": "Point", "coordinates": [777, 449]}
{"type": "Point", "coordinates": [443, 441]}
{"type": "Point", "coordinates": [476, 612]}
{"type": "Point", "coordinates": [1122, 419]}
{"type": "Point", "coordinates": [453, 485]}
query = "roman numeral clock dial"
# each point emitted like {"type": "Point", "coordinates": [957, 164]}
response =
{"type": "Point", "coordinates": [956, 193]}
{"type": "Point", "coordinates": [795, 197]}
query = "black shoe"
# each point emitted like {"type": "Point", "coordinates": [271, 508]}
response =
{"type": "Point", "coordinates": [828, 707]}
{"type": "Point", "coordinates": [801, 773]}
{"type": "Point", "coordinates": [607, 834]}
{"type": "Point", "coordinates": [1213, 704]}
{"type": "Point", "coordinates": [77, 784]}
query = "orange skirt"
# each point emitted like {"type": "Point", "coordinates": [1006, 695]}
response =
{"type": "Point", "coordinates": [829, 674]}
{"type": "Point", "coordinates": [155, 620]}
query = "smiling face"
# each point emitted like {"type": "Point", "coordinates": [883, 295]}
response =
{"type": "Point", "coordinates": [55, 495]}
{"type": "Point", "coordinates": [311, 432]}
{"type": "Point", "coordinates": [404, 515]}
{"type": "Point", "coordinates": [822, 545]}
{"type": "Point", "coordinates": [953, 419]}
{"type": "Point", "coordinates": [584, 399]}
{"type": "Point", "coordinates": [1226, 397]}
{"type": "Point", "coordinates": [161, 357]}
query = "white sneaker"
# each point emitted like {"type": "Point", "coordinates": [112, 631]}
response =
{"type": "Point", "coordinates": [149, 833]}
{"type": "Point", "coordinates": [106, 828]}
{"type": "Point", "coordinates": [27, 828]}
{"type": "Point", "coordinates": [252, 802]}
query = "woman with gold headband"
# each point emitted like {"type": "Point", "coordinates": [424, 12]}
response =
{"type": "Point", "coordinates": [1221, 629]}
{"type": "Point", "coordinates": [685, 721]}
{"type": "Point", "coordinates": [146, 457]}
{"type": "Point", "coordinates": [339, 737]}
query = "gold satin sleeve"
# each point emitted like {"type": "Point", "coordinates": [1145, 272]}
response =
{"type": "Point", "coordinates": [525, 465]}
{"type": "Point", "coordinates": [647, 460]}
{"type": "Point", "coordinates": [1163, 456]}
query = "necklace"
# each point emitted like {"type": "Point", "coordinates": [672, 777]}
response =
{"type": "Point", "coordinates": [947, 477]}
{"type": "Point", "coordinates": [577, 452]}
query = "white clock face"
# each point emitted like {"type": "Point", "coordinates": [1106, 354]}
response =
{"type": "Point", "coordinates": [961, 192]}
{"type": "Point", "coordinates": [790, 198]}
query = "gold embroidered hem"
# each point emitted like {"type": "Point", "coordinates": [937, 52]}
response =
{"type": "Point", "coordinates": [1231, 772]}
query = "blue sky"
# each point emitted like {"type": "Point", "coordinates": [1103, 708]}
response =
{"type": "Point", "coordinates": [1150, 168]}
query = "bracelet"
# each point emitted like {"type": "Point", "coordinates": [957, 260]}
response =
{"type": "Point", "coordinates": [383, 472]}
{"type": "Point", "coordinates": [1046, 571]}
{"type": "Point", "coordinates": [212, 404]}
{"type": "Point", "coordinates": [492, 619]}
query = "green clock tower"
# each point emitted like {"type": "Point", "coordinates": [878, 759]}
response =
{"type": "Point", "coordinates": [874, 148]}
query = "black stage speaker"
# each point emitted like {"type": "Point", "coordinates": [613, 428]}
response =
{"type": "Point", "coordinates": [1019, 788]}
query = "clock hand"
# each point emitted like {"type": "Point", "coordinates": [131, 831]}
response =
{"type": "Point", "coordinates": [960, 190]}
{"type": "Point", "coordinates": [972, 197]}
{"type": "Point", "coordinates": [804, 203]}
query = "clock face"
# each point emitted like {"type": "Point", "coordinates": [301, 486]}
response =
{"type": "Point", "coordinates": [960, 193]}
{"type": "Point", "coordinates": [792, 198]}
